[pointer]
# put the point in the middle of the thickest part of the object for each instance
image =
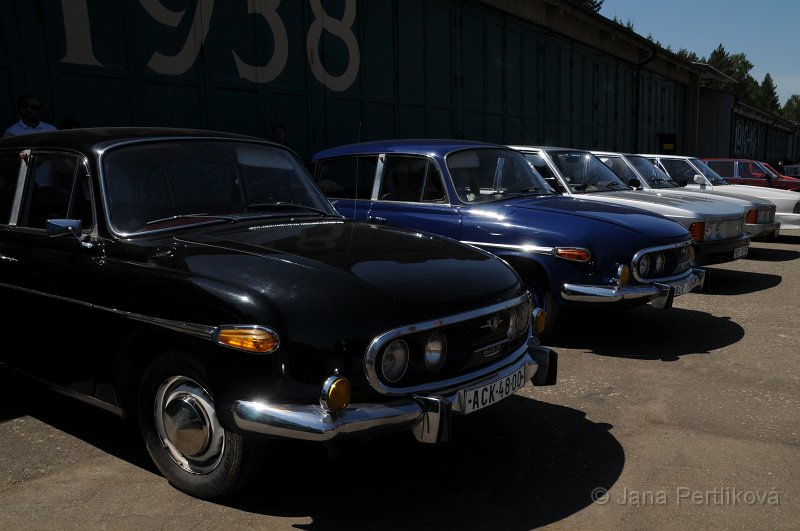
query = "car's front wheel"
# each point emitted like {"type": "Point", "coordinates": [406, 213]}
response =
{"type": "Point", "coordinates": [178, 419]}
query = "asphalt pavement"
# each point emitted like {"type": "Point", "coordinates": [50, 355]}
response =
{"type": "Point", "coordinates": [661, 419]}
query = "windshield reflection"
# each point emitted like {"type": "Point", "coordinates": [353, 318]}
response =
{"type": "Point", "coordinates": [491, 174]}
{"type": "Point", "coordinates": [165, 184]}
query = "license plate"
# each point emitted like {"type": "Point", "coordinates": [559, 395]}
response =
{"type": "Point", "coordinates": [684, 287]}
{"type": "Point", "coordinates": [482, 396]}
{"type": "Point", "coordinates": [740, 252]}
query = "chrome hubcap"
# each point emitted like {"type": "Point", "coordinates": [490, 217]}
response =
{"type": "Point", "coordinates": [187, 425]}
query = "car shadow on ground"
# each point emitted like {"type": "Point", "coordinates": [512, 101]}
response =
{"type": "Point", "coordinates": [647, 333]}
{"type": "Point", "coordinates": [793, 238]}
{"type": "Point", "coordinates": [768, 254]}
{"type": "Point", "coordinates": [20, 396]}
{"type": "Point", "coordinates": [520, 464]}
{"type": "Point", "coordinates": [731, 282]}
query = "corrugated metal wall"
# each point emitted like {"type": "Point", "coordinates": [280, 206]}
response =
{"type": "Point", "coordinates": [335, 72]}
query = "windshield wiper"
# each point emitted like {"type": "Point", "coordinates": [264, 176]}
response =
{"type": "Point", "coordinates": [285, 205]}
{"type": "Point", "coordinates": [185, 216]}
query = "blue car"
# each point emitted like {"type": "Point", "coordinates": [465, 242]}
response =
{"type": "Point", "coordinates": [569, 252]}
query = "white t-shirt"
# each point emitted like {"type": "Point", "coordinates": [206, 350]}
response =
{"type": "Point", "coordinates": [21, 128]}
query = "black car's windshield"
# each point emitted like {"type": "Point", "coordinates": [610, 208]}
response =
{"type": "Point", "coordinates": [585, 173]}
{"type": "Point", "coordinates": [713, 177]}
{"type": "Point", "coordinates": [169, 183]}
{"type": "Point", "coordinates": [652, 175]}
{"type": "Point", "coordinates": [491, 174]}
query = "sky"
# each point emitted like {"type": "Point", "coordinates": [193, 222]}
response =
{"type": "Point", "coordinates": [766, 31]}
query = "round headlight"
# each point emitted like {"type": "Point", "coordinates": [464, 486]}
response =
{"type": "Point", "coordinates": [512, 325]}
{"type": "Point", "coordinates": [435, 351]}
{"type": "Point", "coordinates": [660, 263]}
{"type": "Point", "coordinates": [644, 266]}
{"type": "Point", "coordinates": [395, 361]}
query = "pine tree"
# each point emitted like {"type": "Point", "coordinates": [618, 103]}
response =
{"type": "Point", "coordinates": [769, 95]}
{"type": "Point", "coordinates": [594, 5]}
{"type": "Point", "coordinates": [791, 109]}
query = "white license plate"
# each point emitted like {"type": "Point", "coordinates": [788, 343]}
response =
{"type": "Point", "coordinates": [683, 288]}
{"type": "Point", "coordinates": [479, 397]}
{"type": "Point", "coordinates": [740, 252]}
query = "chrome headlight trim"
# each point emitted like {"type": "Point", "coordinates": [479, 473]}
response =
{"type": "Point", "coordinates": [377, 345]}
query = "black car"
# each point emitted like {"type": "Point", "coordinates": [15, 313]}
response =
{"type": "Point", "coordinates": [201, 283]}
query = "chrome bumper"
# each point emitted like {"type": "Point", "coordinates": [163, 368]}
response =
{"type": "Point", "coordinates": [764, 230]}
{"type": "Point", "coordinates": [428, 415]}
{"type": "Point", "coordinates": [659, 294]}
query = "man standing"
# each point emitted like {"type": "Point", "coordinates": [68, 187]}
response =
{"type": "Point", "coordinates": [30, 112]}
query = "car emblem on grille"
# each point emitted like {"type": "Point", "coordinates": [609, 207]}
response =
{"type": "Point", "coordinates": [493, 324]}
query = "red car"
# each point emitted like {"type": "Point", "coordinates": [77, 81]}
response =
{"type": "Point", "coordinates": [751, 172]}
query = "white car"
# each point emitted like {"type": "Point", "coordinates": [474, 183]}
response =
{"type": "Point", "coordinates": [718, 229]}
{"type": "Point", "coordinates": [642, 174]}
{"type": "Point", "coordinates": [698, 176]}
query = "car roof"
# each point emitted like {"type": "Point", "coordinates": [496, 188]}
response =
{"type": "Point", "coordinates": [729, 159]}
{"type": "Point", "coordinates": [662, 156]}
{"type": "Point", "coordinates": [550, 148]}
{"type": "Point", "coordinates": [89, 138]}
{"type": "Point", "coordinates": [414, 146]}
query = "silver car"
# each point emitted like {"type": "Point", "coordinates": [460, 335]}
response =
{"type": "Point", "coordinates": [698, 176]}
{"type": "Point", "coordinates": [717, 228]}
{"type": "Point", "coordinates": [760, 217]}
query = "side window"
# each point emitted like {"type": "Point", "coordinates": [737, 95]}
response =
{"type": "Point", "coordinates": [539, 164]}
{"type": "Point", "coordinates": [679, 170]}
{"type": "Point", "coordinates": [347, 177]}
{"type": "Point", "coordinates": [724, 169]}
{"type": "Point", "coordinates": [748, 170]}
{"type": "Point", "coordinates": [49, 191]}
{"type": "Point", "coordinates": [9, 171]}
{"type": "Point", "coordinates": [620, 169]}
{"type": "Point", "coordinates": [414, 179]}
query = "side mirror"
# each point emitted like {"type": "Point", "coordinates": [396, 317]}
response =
{"type": "Point", "coordinates": [698, 179]}
{"type": "Point", "coordinates": [57, 227]}
{"type": "Point", "coordinates": [635, 183]}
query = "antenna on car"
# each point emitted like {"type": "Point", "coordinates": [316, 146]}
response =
{"type": "Point", "coordinates": [522, 128]}
{"type": "Point", "coordinates": [358, 158]}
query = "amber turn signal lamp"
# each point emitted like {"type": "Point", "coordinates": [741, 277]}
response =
{"type": "Point", "coordinates": [752, 216]}
{"type": "Point", "coordinates": [623, 275]}
{"type": "Point", "coordinates": [573, 253]}
{"type": "Point", "coordinates": [336, 393]}
{"type": "Point", "coordinates": [539, 320]}
{"type": "Point", "coordinates": [258, 340]}
{"type": "Point", "coordinates": [697, 230]}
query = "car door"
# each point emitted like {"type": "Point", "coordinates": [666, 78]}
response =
{"type": "Point", "coordinates": [348, 182]}
{"type": "Point", "coordinates": [751, 174]}
{"type": "Point", "coordinates": [52, 274]}
{"type": "Point", "coordinates": [411, 194]}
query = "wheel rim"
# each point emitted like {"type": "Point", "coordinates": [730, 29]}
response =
{"type": "Point", "coordinates": [187, 425]}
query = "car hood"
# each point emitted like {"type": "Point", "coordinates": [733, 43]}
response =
{"type": "Point", "coordinates": [752, 192]}
{"type": "Point", "coordinates": [635, 219]}
{"type": "Point", "coordinates": [717, 197]}
{"type": "Point", "coordinates": [684, 206]}
{"type": "Point", "coordinates": [395, 263]}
